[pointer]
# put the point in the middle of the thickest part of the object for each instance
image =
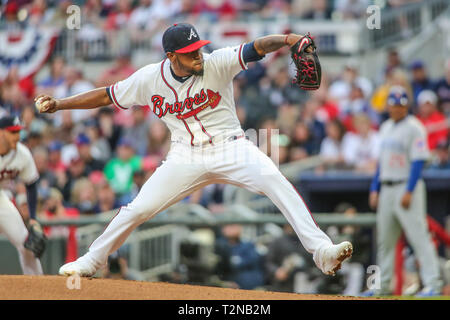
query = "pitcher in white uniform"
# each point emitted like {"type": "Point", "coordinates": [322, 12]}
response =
{"type": "Point", "coordinates": [16, 161]}
{"type": "Point", "coordinates": [192, 93]}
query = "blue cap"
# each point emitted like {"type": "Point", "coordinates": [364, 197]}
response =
{"type": "Point", "coordinates": [417, 64]}
{"type": "Point", "coordinates": [82, 139]}
{"type": "Point", "coordinates": [397, 97]}
{"type": "Point", "coordinates": [55, 146]}
{"type": "Point", "coordinates": [124, 141]}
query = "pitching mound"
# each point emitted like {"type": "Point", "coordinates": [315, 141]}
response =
{"type": "Point", "coordinates": [57, 288]}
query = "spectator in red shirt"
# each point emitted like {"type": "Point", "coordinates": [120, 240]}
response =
{"type": "Point", "coordinates": [122, 69]}
{"type": "Point", "coordinates": [433, 120]}
{"type": "Point", "coordinates": [118, 18]}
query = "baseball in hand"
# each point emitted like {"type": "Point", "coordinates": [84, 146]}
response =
{"type": "Point", "coordinates": [42, 106]}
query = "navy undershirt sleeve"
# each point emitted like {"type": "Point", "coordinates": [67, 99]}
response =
{"type": "Point", "coordinates": [32, 199]}
{"type": "Point", "coordinates": [108, 91]}
{"type": "Point", "coordinates": [414, 174]}
{"type": "Point", "coordinates": [249, 53]}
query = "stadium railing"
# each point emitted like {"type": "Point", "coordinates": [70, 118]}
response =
{"type": "Point", "coordinates": [154, 248]}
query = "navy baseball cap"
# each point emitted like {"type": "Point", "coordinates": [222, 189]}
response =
{"type": "Point", "coordinates": [397, 97]}
{"type": "Point", "coordinates": [126, 142]}
{"type": "Point", "coordinates": [82, 139]}
{"type": "Point", "coordinates": [55, 146]}
{"type": "Point", "coordinates": [10, 123]}
{"type": "Point", "coordinates": [182, 38]}
{"type": "Point", "coordinates": [417, 64]}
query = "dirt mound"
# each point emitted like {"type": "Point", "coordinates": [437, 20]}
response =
{"type": "Point", "coordinates": [63, 288]}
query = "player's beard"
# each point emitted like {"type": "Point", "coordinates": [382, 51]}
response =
{"type": "Point", "coordinates": [198, 72]}
{"type": "Point", "coordinates": [190, 70]}
{"type": "Point", "coordinates": [194, 72]}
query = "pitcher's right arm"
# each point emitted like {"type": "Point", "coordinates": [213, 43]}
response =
{"type": "Point", "coordinates": [87, 100]}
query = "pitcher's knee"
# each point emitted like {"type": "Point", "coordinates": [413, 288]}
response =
{"type": "Point", "coordinates": [139, 211]}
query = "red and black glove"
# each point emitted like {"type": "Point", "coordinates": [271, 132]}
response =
{"type": "Point", "coordinates": [309, 72]}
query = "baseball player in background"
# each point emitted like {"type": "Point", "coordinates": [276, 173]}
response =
{"type": "Point", "coordinates": [16, 161]}
{"type": "Point", "coordinates": [398, 193]}
{"type": "Point", "coordinates": [192, 92]}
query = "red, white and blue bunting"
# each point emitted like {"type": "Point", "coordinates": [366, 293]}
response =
{"type": "Point", "coordinates": [28, 49]}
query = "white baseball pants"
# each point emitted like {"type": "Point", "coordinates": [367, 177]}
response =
{"type": "Point", "coordinates": [12, 225]}
{"type": "Point", "coordinates": [392, 218]}
{"type": "Point", "coordinates": [186, 169]}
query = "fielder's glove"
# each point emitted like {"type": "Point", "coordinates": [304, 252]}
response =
{"type": "Point", "coordinates": [36, 240]}
{"type": "Point", "coordinates": [309, 72]}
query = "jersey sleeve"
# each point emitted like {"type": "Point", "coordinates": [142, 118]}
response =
{"type": "Point", "coordinates": [419, 145]}
{"type": "Point", "coordinates": [228, 62]}
{"type": "Point", "coordinates": [29, 172]}
{"type": "Point", "coordinates": [130, 91]}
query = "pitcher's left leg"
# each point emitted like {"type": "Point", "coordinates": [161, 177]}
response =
{"type": "Point", "coordinates": [257, 172]}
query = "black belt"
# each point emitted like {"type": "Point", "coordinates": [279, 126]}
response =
{"type": "Point", "coordinates": [238, 137]}
{"type": "Point", "coordinates": [391, 183]}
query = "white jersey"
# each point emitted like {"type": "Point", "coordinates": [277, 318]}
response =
{"type": "Point", "coordinates": [18, 163]}
{"type": "Point", "coordinates": [401, 143]}
{"type": "Point", "coordinates": [358, 150]}
{"type": "Point", "coordinates": [196, 111]}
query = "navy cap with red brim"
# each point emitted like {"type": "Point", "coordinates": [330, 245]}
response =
{"type": "Point", "coordinates": [182, 38]}
{"type": "Point", "coordinates": [10, 123]}
{"type": "Point", "coordinates": [14, 128]}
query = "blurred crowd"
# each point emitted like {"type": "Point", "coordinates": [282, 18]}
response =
{"type": "Point", "coordinates": [145, 15]}
{"type": "Point", "coordinates": [340, 121]}
{"type": "Point", "coordinates": [94, 161]}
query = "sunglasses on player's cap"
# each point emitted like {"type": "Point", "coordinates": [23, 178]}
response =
{"type": "Point", "coordinates": [182, 38]}
{"type": "Point", "coordinates": [11, 124]}
{"type": "Point", "coordinates": [397, 97]}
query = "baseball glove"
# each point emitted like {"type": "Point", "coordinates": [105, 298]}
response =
{"type": "Point", "coordinates": [36, 240]}
{"type": "Point", "coordinates": [309, 72]}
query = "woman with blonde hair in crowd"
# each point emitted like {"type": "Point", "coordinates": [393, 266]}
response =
{"type": "Point", "coordinates": [84, 196]}
{"type": "Point", "coordinates": [396, 77]}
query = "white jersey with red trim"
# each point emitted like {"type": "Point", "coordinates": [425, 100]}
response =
{"type": "Point", "coordinates": [196, 111]}
{"type": "Point", "coordinates": [18, 163]}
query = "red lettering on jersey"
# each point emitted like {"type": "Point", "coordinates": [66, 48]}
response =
{"type": "Point", "coordinates": [187, 104]}
{"type": "Point", "coordinates": [178, 107]}
{"type": "Point", "coordinates": [213, 101]}
{"type": "Point", "coordinates": [157, 105]}
{"type": "Point", "coordinates": [8, 174]}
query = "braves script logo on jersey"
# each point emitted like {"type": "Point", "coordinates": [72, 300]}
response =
{"type": "Point", "coordinates": [8, 174]}
{"type": "Point", "coordinates": [204, 100]}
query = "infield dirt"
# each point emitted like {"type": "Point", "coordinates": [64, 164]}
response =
{"type": "Point", "coordinates": [56, 288]}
